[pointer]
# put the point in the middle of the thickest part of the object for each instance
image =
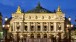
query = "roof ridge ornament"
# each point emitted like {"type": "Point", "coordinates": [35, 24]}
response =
{"type": "Point", "coordinates": [38, 5]}
{"type": "Point", "coordinates": [59, 10]}
{"type": "Point", "coordinates": [18, 10]}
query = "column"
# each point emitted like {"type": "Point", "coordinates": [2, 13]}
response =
{"type": "Point", "coordinates": [36, 26]}
{"type": "Point", "coordinates": [28, 27]}
{"type": "Point", "coordinates": [21, 26]}
{"type": "Point", "coordinates": [62, 26]}
{"type": "Point", "coordinates": [41, 35]}
{"type": "Point", "coordinates": [41, 26]}
{"type": "Point", "coordinates": [9, 28]}
{"type": "Point", "coordinates": [47, 35]}
{"type": "Point", "coordinates": [15, 26]}
{"type": "Point", "coordinates": [35, 35]}
{"type": "Point", "coordinates": [49, 26]}
{"type": "Point", "coordinates": [55, 26]}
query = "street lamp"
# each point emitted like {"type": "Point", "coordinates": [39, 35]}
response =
{"type": "Point", "coordinates": [6, 26]}
{"type": "Point", "coordinates": [6, 18]}
{"type": "Point", "coordinates": [69, 26]}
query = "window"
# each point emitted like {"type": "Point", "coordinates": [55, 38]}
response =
{"type": "Point", "coordinates": [45, 35]}
{"type": "Point", "coordinates": [42, 17]}
{"type": "Point", "coordinates": [38, 28]}
{"type": "Point", "coordinates": [18, 27]}
{"type": "Point", "coordinates": [36, 17]}
{"type": "Point", "coordinates": [29, 17]}
{"type": "Point", "coordinates": [45, 28]}
{"type": "Point", "coordinates": [59, 28]}
{"type": "Point", "coordinates": [25, 35]}
{"type": "Point", "coordinates": [11, 27]}
{"type": "Point", "coordinates": [26, 28]}
{"type": "Point", "coordinates": [38, 35]}
{"type": "Point", "coordinates": [32, 35]}
{"type": "Point", "coordinates": [49, 17]}
{"type": "Point", "coordinates": [50, 35]}
{"type": "Point", "coordinates": [32, 28]}
{"type": "Point", "coordinates": [51, 28]}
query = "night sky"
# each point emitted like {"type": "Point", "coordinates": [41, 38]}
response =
{"type": "Point", "coordinates": [7, 7]}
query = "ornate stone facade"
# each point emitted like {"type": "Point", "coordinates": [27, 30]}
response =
{"type": "Point", "coordinates": [37, 25]}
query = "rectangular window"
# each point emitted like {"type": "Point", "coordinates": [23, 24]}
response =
{"type": "Point", "coordinates": [38, 28]}
{"type": "Point", "coordinates": [59, 28]}
{"type": "Point", "coordinates": [25, 28]}
{"type": "Point", "coordinates": [32, 28]}
{"type": "Point", "coordinates": [18, 27]}
{"type": "Point", "coordinates": [45, 28]}
{"type": "Point", "coordinates": [51, 28]}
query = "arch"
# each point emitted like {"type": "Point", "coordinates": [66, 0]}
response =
{"type": "Point", "coordinates": [38, 35]}
{"type": "Point", "coordinates": [45, 35]}
{"type": "Point", "coordinates": [25, 35]}
{"type": "Point", "coordinates": [32, 36]}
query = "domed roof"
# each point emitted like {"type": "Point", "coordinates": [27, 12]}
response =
{"type": "Point", "coordinates": [39, 9]}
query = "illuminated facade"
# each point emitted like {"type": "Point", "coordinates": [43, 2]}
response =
{"type": "Point", "coordinates": [37, 23]}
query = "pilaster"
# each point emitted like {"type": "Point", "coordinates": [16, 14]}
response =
{"type": "Point", "coordinates": [41, 26]}
{"type": "Point", "coordinates": [28, 27]}
{"type": "Point", "coordinates": [55, 26]}
{"type": "Point", "coordinates": [49, 26]}
{"type": "Point", "coordinates": [15, 26]}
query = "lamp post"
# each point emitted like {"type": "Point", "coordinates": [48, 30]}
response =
{"type": "Point", "coordinates": [69, 26]}
{"type": "Point", "coordinates": [6, 27]}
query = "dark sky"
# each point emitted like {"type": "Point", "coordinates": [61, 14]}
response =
{"type": "Point", "coordinates": [7, 7]}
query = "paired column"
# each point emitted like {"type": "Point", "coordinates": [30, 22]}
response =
{"type": "Point", "coordinates": [41, 26]}
{"type": "Point", "coordinates": [62, 26]}
{"type": "Point", "coordinates": [28, 27]}
{"type": "Point", "coordinates": [49, 26]}
{"type": "Point", "coordinates": [55, 26]}
{"type": "Point", "coordinates": [13, 26]}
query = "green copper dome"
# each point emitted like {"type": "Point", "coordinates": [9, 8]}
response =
{"type": "Point", "coordinates": [39, 9]}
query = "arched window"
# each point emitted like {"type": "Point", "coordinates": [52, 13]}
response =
{"type": "Point", "coordinates": [59, 26]}
{"type": "Point", "coordinates": [25, 35]}
{"type": "Point", "coordinates": [38, 28]}
{"type": "Point", "coordinates": [32, 28]}
{"type": "Point", "coordinates": [45, 28]}
{"type": "Point", "coordinates": [32, 35]}
{"type": "Point", "coordinates": [18, 27]}
{"type": "Point", "coordinates": [51, 28]}
{"type": "Point", "coordinates": [25, 28]}
{"type": "Point", "coordinates": [45, 35]}
{"type": "Point", "coordinates": [50, 35]}
{"type": "Point", "coordinates": [38, 36]}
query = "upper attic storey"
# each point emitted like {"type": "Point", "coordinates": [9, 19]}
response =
{"type": "Point", "coordinates": [39, 9]}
